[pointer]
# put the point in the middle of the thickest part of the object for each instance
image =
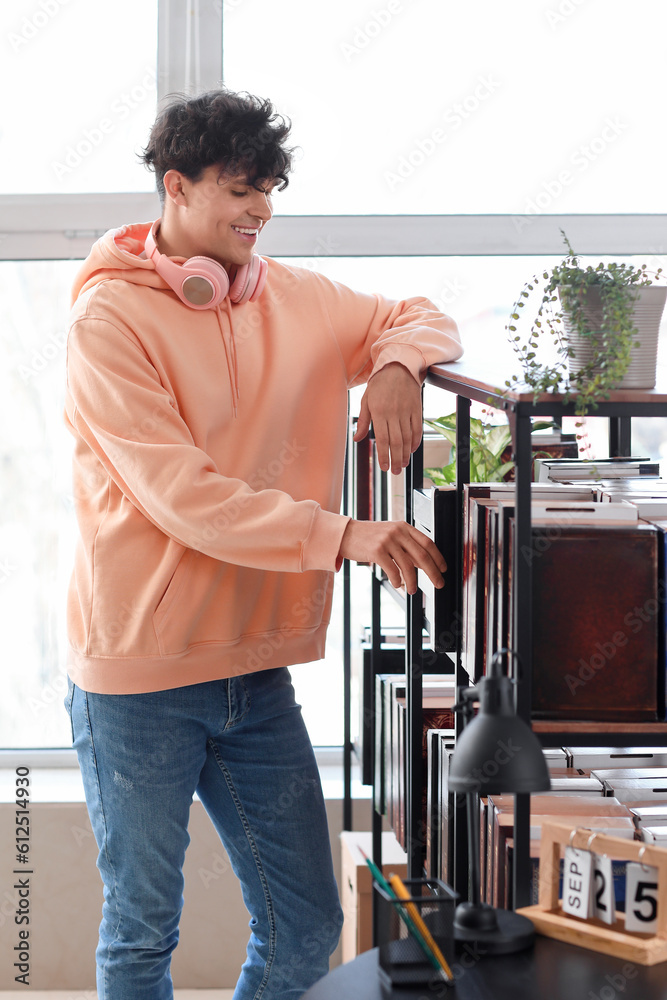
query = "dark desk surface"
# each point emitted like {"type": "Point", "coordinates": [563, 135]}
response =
{"type": "Point", "coordinates": [549, 971]}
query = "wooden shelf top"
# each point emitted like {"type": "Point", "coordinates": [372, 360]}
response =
{"type": "Point", "coordinates": [578, 726]}
{"type": "Point", "coordinates": [488, 374]}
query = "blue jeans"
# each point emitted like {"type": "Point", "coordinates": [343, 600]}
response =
{"type": "Point", "coordinates": [241, 744]}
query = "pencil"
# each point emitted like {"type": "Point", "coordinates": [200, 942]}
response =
{"type": "Point", "coordinates": [396, 883]}
{"type": "Point", "coordinates": [377, 874]}
{"type": "Point", "coordinates": [426, 948]}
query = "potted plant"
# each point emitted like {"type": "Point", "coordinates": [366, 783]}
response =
{"type": "Point", "coordinates": [597, 317]}
{"type": "Point", "coordinates": [489, 449]}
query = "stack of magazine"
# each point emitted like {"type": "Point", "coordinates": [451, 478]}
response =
{"type": "Point", "coordinates": [568, 470]}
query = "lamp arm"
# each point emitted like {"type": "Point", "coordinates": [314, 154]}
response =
{"type": "Point", "coordinates": [497, 671]}
{"type": "Point", "coordinates": [467, 696]}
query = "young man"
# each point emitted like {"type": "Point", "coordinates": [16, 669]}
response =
{"type": "Point", "coordinates": [210, 426]}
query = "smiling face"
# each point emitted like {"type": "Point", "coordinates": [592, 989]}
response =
{"type": "Point", "coordinates": [216, 216]}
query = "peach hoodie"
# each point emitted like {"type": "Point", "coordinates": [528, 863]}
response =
{"type": "Point", "coordinates": [208, 464]}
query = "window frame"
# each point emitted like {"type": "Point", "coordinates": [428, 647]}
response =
{"type": "Point", "coordinates": [62, 227]}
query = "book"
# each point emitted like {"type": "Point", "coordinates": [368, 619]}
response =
{"type": "Point", "coordinates": [594, 811]}
{"type": "Point", "coordinates": [490, 620]}
{"type": "Point", "coordinates": [596, 647]}
{"type": "Point", "coordinates": [383, 739]}
{"type": "Point", "coordinates": [447, 814]}
{"type": "Point", "coordinates": [660, 609]}
{"type": "Point", "coordinates": [651, 490]}
{"type": "Point", "coordinates": [636, 790]}
{"type": "Point", "coordinates": [392, 661]}
{"type": "Point", "coordinates": [475, 582]}
{"type": "Point", "coordinates": [554, 435]}
{"type": "Point", "coordinates": [607, 468]}
{"type": "Point", "coordinates": [543, 512]}
{"type": "Point", "coordinates": [435, 512]}
{"type": "Point", "coordinates": [656, 774]}
{"type": "Point", "coordinates": [628, 487]}
{"type": "Point", "coordinates": [394, 760]}
{"type": "Point", "coordinates": [542, 491]}
{"type": "Point", "coordinates": [582, 512]}
{"type": "Point", "coordinates": [437, 817]}
{"type": "Point", "coordinates": [644, 816]}
{"type": "Point", "coordinates": [438, 713]}
{"type": "Point", "coordinates": [656, 835]}
{"type": "Point", "coordinates": [361, 498]}
{"type": "Point", "coordinates": [475, 610]}
{"type": "Point", "coordinates": [556, 757]}
{"type": "Point", "coordinates": [577, 783]}
{"type": "Point", "coordinates": [438, 696]}
{"type": "Point", "coordinates": [545, 444]}
{"type": "Point", "coordinates": [609, 757]}
{"type": "Point", "coordinates": [649, 507]}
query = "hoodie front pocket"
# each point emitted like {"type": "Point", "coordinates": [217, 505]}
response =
{"type": "Point", "coordinates": [171, 595]}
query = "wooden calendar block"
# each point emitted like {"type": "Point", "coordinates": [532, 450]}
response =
{"type": "Point", "coordinates": [548, 916]}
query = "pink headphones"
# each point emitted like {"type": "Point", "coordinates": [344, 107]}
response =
{"type": "Point", "coordinates": [202, 283]}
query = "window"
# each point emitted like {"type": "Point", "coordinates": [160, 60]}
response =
{"type": "Point", "coordinates": [80, 92]}
{"type": "Point", "coordinates": [442, 148]}
{"type": "Point", "coordinates": [457, 108]}
{"type": "Point", "coordinates": [37, 525]}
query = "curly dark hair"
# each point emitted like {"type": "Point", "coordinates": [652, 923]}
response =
{"type": "Point", "coordinates": [240, 132]}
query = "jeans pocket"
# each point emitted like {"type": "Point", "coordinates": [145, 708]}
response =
{"type": "Point", "coordinates": [68, 703]}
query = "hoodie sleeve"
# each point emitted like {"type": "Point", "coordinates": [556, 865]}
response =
{"type": "Point", "coordinates": [114, 395]}
{"type": "Point", "coordinates": [373, 331]}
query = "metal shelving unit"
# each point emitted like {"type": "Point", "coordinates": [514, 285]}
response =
{"type": "Point", "coordinates": [470, 381]}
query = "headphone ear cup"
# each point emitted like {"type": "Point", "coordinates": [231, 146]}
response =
{"type": "Point", "coordinates": [207, 285]}
{"type": "Point", "coordinates": [249, 280]}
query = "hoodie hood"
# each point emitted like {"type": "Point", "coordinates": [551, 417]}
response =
{"type": "Point", "coordinates": [117, 254]}
{"type": "Point", "coordinates": [120, 253]}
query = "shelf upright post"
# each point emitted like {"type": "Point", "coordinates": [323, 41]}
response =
{"type": "Point", "coordinates": [523, 633]}
{"type": "Point", "coordinates": [376, 818]}
{"type": "Point", "coordinates": [462, 477]}
{"type": "Point", "coordinates": [620, 436]}
{"type": "Point", "coordinates": [460, 871]}
{"type": "Point", "coordinates": [414, 476]}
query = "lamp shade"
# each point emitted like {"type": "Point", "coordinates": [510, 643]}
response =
{"type": "Point", "coordinates": [497, 751]}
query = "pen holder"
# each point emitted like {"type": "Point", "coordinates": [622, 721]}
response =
{"type": "Point", "coordinates": [402, 959]}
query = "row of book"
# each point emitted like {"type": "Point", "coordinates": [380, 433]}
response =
{"type": "Point", "coordinates": [631, 776]}
{"type": "Point", "coordinates": [438, 698]}
{"type": "Point", "coordinates": [597, 552]}
{"type": "Point", "coordinates": [389, 769]}
{"type": "Point", "coordinates": [621, 792]}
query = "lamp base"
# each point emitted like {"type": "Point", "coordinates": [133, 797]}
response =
{"type": "Point", "coordinates": [497, 932]}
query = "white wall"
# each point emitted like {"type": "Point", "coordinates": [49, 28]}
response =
{"type": "Point", "coordinates": [66, 891]}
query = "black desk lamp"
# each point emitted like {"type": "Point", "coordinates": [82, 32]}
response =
{"type": "Point", "coordinates": [496, 753]}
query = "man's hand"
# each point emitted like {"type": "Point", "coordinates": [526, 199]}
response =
{"type": "Point", "coordinates": [393, 402]}
{"type": "Point", "coordinates": [397, 547]}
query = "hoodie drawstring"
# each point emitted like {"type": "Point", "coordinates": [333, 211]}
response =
{"type": "Point", "coordinates": [230, 352]}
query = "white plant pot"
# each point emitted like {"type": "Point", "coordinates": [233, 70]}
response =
{"type": "Point", "coordinates": [647, 315]}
